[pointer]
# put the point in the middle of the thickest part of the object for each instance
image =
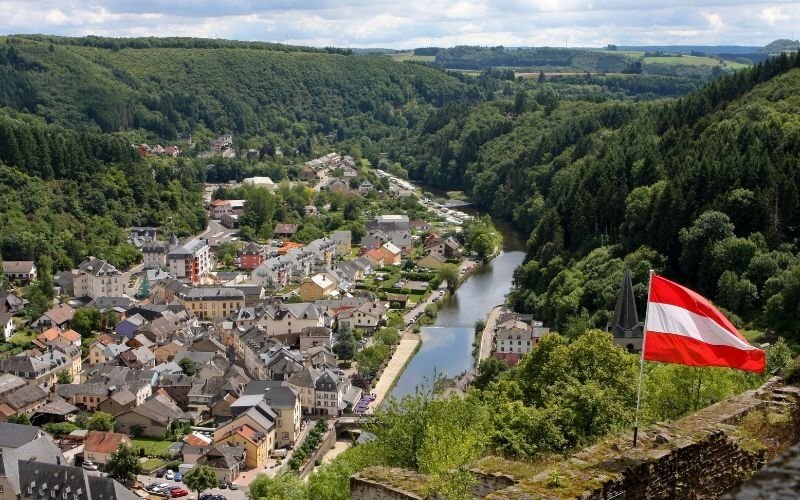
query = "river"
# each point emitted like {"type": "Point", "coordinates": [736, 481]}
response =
{"type": "Point", "coordinates": [447, 344]}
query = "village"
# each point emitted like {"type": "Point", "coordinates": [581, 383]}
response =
{"type": "Point", "coordinates": [246, 366]}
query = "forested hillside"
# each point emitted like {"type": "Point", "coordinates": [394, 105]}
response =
{"type": "Point", "coordinates": [169, 88]}
{"type": "Point", "coordinates": [703, 188]}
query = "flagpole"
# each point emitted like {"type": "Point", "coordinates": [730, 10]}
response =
{"type": "Point", "coordinates": [641, 362]}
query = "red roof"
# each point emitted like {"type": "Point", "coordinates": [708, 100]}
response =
{"type": "Point", "coordinates": [220, 203]}
{"type": "Point", "coordinates": [511, 358]}
{"type": "Point", "coordinates": [104, 442]}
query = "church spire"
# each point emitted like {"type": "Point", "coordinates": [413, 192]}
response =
{"type": "Point", "coordinates": [625, 323]}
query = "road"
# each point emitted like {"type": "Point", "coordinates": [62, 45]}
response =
{"type": "Point", "coordinates": [410, 316]}
{"type": "Point", "coordinates": [405, 350]}
{"type": "Point", "coordinates": [487, 338]}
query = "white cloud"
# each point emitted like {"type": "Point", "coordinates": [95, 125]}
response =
{"type": "Point", "coordinates": [385, 23]}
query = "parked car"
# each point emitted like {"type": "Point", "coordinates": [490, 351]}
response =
{"type": "Point", "coordinates": [89, 465]}
{"type": "Point", "coordinates": [223, 485]}
{"type": "Point", "coordinates": [233, 486]}
{"type": "Point", "coordinates": [178, 477]}
{"type": "Point", "coordinates": [178, 492]}
{"type": "Point", "coordinates": [160, 473]}
{"type": "Point", "coordinates": [169, 475]}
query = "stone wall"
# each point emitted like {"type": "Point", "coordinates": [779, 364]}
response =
{"type": "Point", "coordinates": [703, 455]}
{"type": "Point", "coordinates": [328, 440]}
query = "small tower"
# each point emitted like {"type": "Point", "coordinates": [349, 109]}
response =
{"type": "Point", "coordinates": [625, 325]}
{"type": "Point", "coordinates": [173, 242]}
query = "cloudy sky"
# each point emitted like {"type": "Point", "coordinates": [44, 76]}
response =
{"type": "Point", "coordinates": [416, 23]}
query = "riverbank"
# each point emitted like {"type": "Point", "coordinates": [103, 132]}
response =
{"type": "Point", "coordinates": [408, 346]}
{"type": "Point", "coordinates": [487, 337]}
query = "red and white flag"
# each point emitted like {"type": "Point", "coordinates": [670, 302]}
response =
{"type": "Point", "coordinates": [685, 328]}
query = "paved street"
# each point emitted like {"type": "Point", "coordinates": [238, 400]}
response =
{"type": "Point", "coordinates": [487, 339]}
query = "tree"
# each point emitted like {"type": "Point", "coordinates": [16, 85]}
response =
{"type": "Point", "coordinates": [345, 344]}
{"type": "Point", "coordinates": [488, 371]}
{"type": "Point", "coordinates": [200, 478]}
{"type": "Point", "coordinates": [281, 487]}
{"type": "Point", "coordinates": [86, 320]}
{"type": "Point", "coordinates": [144, 288]}
{"type": "Point", "coordinates": [19, 418]}
{"type": "Point", "coordinates": [449, 273]}
{"type": "Point", "coordinates": [124, 464]}
{"type": "Point", "coordinates": [188, 366]}
{"type": "Point", "coordinates": [101, 421]}
{"type": "Point", "coordinates": [64, 377]}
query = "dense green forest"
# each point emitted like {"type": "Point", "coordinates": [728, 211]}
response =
{"type": "Point", "coordinates": [703, 188]}
{"type": "Point", "coordinates": [167, 89]}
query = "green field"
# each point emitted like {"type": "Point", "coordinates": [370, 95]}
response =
{"type": "Point", "coordinates": [409, 56]}
{"type": "Point", "coordinates": [685, 60]}
{"type": "Point", "coordinates": [152, 447]}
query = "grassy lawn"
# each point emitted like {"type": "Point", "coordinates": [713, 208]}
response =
{"type": "Point", "coordinates": [152, 464]}
{"type": "Point", "coordinates": [152, 446]}
{"type": "Point", "coordinates": [19, 339]}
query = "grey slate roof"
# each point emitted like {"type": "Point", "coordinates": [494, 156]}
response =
{"type": "Point", "coordinates": [25, 396]}
{"type": "Point", "coordinates": [625, 323]}
{"type": "Point", "coordinates": [98, 267]}
{"type": "Point", "coordinates": [41, 450]}
{"type": "Point", "coordinates": [13, 436]}
{"type": "Point", "coordinates": [275, 392]}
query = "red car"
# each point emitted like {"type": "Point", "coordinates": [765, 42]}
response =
{"type": "Point", "coordinates": [178, 492]}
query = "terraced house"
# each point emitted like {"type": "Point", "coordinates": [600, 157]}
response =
{"type": "Point", "coordinates": [40, 369]}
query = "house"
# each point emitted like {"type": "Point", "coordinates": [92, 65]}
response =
{"type": "Point", "coordinates": [316, 287]}
{"type": "Point", "coordinates": [252, 427]}
{"type": "Point", "coordinates": [272, 274]}
{"type": "Point", "coordinates": [342, 241]}
{"type": "Point", "coordinates": [225, 460]}
{"type": "Point", "coordinates": [97, 278]}
{"type": "Point", "coordinates": [38, 470]}
{"type": "Point", "coordinates": [121, 401]}
{"type": "Point", "coordinates": [169, 351]}
{"type": "Point", "coordinates": [11, 302]}
{"type": "Point", "coordinates": [150, 419]}
{"type": "Point", "coordinates": [20, 270]}
{"type": "Point", "coordinates": [154, 254]}
{"type": "Point", "coordinates": [516, 336]}
{"type": "Point", "coordinates": [314, 336]}
{"type": "Point", "coordinates": [99, 445]}
{"type": "Point", "coordinates": [251, 256]}
{"type": "Point", "coordinates": [376, 257]}
{"type": "Point", "coordinates": [26, 399]}
{"type": "Point", "coordinates": [190, 261]}
{"type": "Point", "coordinates": [388, 223]}
{"type": "Point", "coordinates": [14, 436]}
{"type": "Point", "coordinates": [304, 385]}
{"type": "Point", "coordinates": [431, 261]}
{"type": "Point", "coordinates": [334, 393]}
{"type": "Point", "coordinates": [392, 254]}
{"type": "Point", "coordinates": [365, 187]}
{"type": "Point", "coordinates": [6, 325]}
{"type": "Point", "coordinates": [220, 208]}
{"type": "Point", "coordinates": [289, 318]}
{"type": "Point", "coordinates": [285, 402]}
{"type": "Point", "coordinates": [140, 358]}
{"type": "Point", "coordinates": [86, 396]}
{"type": "Point", "coordinates": [367, 316]}
{"type": "Point", "coordinates": [210, 302]}
{"type": "Point", "coordinates": [105, 352]}
{"type": "Point", "coordinates": [262, 182]}
{"type": "Point", "coordinates": [58, 316]}
{"type": "Point", "coordinates": [323, 250]}
{"type": "Point", "coordinates": [47, 337]}
{"type": "Point", "coordinates": [447, 248]}
{"type": "Point", "coordinates": [195, 445]}
{"type": "Point", "coordinates": [128, 326]}
{"type": "Point", "coordinates": [285, 230]}
{"type": "Point", "coordinates": [338, 186]}
{"type": "Point", "coordinates": [419, 225]}
{"type": "Point", "coordinates": [222, 143]}
{"type": "Point", "coordinates": [9, 383]}
{"type": "Point", "coordinates": [37, 368]}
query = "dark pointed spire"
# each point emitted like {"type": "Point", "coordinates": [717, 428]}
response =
{"type": "Point", "coordinates": [626, 320]}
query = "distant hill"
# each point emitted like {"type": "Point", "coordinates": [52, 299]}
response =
{"type": "Point", "coordinates": [687, 49]}
{"type": "Point", "coordinates": [779, 46]}
{"type": "Point", "coordinates": [169, 86]}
